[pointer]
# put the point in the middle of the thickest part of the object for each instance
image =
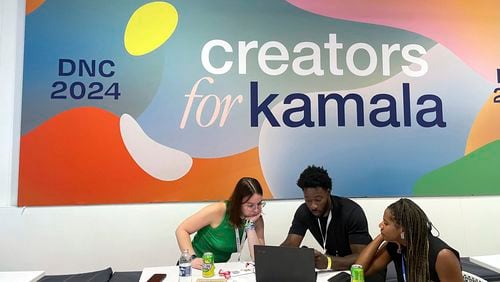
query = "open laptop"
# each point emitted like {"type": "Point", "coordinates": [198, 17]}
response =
{"type": "Point", "coordinates": [274, 264]}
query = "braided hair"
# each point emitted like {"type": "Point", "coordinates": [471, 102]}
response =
{"type": "Point", "coordinates": [417, 228]}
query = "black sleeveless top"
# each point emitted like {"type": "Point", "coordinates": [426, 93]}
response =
{"type": "Point", "coordinates": [435, 246]}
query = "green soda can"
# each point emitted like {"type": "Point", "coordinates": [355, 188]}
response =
{"type": "Point", "coordinates": [357, 274]}
{"type": "Point", "coordinates": [208, 266]}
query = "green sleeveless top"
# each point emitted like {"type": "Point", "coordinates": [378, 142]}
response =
{"type": "Point", "coordinates": [221, 241]}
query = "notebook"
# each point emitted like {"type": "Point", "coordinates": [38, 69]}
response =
{"type": "Point", "coordinates": [274, 264]}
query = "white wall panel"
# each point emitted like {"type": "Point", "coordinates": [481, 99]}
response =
{"type": "Point", "coordinates": [130, 237]}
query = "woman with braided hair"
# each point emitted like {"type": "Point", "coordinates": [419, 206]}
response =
{"type": "Point", "coordinates": [406, 239]}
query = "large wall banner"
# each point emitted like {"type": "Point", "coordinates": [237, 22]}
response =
{"type": "Point", "coordinates": [135, 101]}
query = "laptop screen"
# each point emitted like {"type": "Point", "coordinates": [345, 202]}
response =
{"type": "Point", "coordinates": [273, 263]}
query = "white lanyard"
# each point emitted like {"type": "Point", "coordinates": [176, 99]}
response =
{"type": "Point", "coordinates": [325, 236]}
{"type": "Point", "coordinates": [403, 266]}
{"type": "Point", "coordinates": [238, 242]}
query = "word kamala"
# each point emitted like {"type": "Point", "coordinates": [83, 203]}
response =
{"type": "Point", "coordinates": [299, 109]}
{"type": "Point", "coordinates": [380, 116]}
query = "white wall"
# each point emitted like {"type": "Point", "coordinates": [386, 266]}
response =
{"type": "Point", "coordinates": [11, 54]}
{"type": "Point", "coordinates": [130, 237]}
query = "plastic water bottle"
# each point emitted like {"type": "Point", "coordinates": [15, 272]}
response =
{"type": "Point", "coordinates": [185, 267]}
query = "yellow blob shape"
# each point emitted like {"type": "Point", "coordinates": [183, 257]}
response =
{"type": "Point", "coordinates": [149, 27]}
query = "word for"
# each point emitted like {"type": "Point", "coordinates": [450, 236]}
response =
{"type": "Point", "coordinates": [227, 104]}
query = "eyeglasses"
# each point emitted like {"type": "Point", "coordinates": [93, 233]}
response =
{"type": "Point", "coordinates": [260, 204]}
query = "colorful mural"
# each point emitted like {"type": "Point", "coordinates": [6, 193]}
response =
{"type": "Point", "coordinates": [157, 101]}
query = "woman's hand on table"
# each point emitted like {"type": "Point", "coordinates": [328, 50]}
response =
{"type": "Point", "coordinates": [197, 263]}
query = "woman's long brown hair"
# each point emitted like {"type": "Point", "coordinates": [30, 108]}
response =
{"type": "Point", "coordinates": [245, 188]}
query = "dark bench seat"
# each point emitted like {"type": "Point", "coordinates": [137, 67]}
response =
{"type": "Point", "coordinates": [467, 265]}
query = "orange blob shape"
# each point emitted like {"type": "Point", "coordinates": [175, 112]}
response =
{"type": "Point", "coordinates": [486, 127]}
{"type": "Point", "coordinates": [32, 5]}
{"type": "Point", "coordinates": [78, 157]}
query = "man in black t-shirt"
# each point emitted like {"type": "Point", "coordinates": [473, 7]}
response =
{"type": "Point", "coordinates": [338, 224]}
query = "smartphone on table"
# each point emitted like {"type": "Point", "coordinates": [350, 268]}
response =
{"type": "Point", "coordinates": [158, 277]}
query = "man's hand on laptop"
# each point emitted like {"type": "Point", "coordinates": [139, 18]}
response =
{"type": "Point", "coordinates": [320, 260]}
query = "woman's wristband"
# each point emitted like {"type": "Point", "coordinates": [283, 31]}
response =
{"type": "Point", "coordinates": [330, 263]}
{"type": "Point", "coordinates": [249, 225]}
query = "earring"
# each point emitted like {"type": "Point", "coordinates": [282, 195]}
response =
{"type": "Point", "coordinates": [402, 235]}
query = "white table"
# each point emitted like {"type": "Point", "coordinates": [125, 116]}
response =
{"type": "Point", "coordinates": [245, 275]}
{"type": "Point", "coordinates": [21, 276]}
{"type": "Point", "coordinates": [490, 262]}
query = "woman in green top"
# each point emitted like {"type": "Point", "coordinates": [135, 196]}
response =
{"type": "Point", "coordinates": [221, 228]}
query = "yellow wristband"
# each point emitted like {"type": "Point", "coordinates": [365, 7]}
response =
{"type": "Point", "coordinates": [329, 262]}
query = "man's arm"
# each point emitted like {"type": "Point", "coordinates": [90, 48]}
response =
{"type": "Point", "coordinates": [338, 263]}
{"type": "Point", "coordinates": [357, 228]}
{"type": "Point", "coordinates": [343, 263]}
{"type": "Point", "coordinates": [292, 240]}
{"type": "Point", "coordinates": [359, 238]}
{"type": "Point", "coordinates": [297, 230]}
